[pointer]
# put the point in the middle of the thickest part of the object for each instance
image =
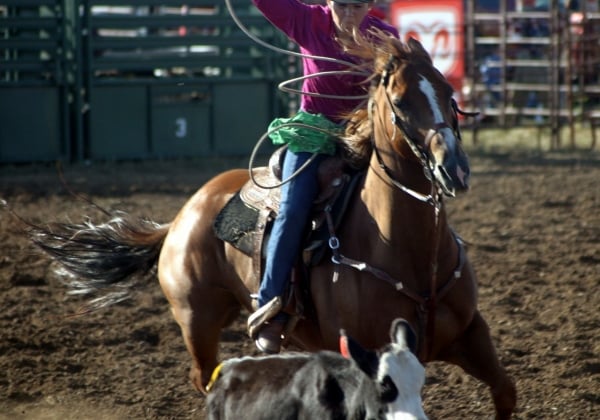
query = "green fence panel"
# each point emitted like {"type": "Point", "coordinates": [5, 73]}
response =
{"type": "Point", "coordinates": [118, 123]}
{"type": "Point", "coordinates": [34, 114]}
{"type": "Point", "coordinates": [196, 38]}
{"type": "Point", "coordinates": [241, 115]}
{"type": "Point", "coordinates": [210, 87]}
{"type": "Point", "coordinates": [134, 79]}
{"type": "Point", "coordinates": [180, 121]}
{"type": "Point", "coordinates": [30, 124]}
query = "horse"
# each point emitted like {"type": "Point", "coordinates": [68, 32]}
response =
{"type": "Point", "coordinates": [396, 254]}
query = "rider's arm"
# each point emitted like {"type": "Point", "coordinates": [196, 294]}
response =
{"type": "Point", "coordinates": [298, 20]}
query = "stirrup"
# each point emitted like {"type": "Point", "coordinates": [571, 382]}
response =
{"type": "Point", "coordinates": [262, 315]}
{"type": "Point", "coordinates": [254, 302]}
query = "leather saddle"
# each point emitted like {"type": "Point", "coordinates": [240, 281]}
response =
{"type": "Point", "coordinates": [246, 220]}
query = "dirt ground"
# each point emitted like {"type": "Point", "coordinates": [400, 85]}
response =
{"type": "Point", "coordinates": [533, 225]}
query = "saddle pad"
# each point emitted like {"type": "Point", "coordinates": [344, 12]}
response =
{"type": "Point", "coordinates": [235, 224]}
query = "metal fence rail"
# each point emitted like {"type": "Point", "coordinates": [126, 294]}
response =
{"type": "Point", "coordinates": [535, 68]}
{"type": "Point", "coordinates": [32, 42]}
{"type": "Point", "coordinates": [194, 38]}
{"type": "Point", "coordinates": [175, 78]}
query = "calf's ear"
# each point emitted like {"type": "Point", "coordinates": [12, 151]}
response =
{"type": "Point", "coordinates": [403, 335]}
{"type": "Point", "coordinates": [366, 360]}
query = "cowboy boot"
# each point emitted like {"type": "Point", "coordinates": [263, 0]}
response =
{"type": "Point", "coordinates": [263, 314]}
{"type": "Point", "coordinates": [270, 336]}
{"type": "Point", "coordinates": [266, 326]}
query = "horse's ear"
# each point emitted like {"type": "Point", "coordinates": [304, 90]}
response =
{"type": "Point", "coordinates": [403, 335]}
{"type": "Point", "coordinates": [366, 360]}
{"type": "Point", "coordinates": [418, 48]}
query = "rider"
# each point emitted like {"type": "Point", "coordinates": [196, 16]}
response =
{"type": "Point", "coordinates": [318, 31]}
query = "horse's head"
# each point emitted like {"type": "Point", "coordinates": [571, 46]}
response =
{"type": "Point", "coordinates": [413, 114]}
{"type": "Point", "coordinates": [422, 112]}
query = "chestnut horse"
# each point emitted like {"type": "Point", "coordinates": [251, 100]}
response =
{"type": "Point", "coordinates": [397, 255]}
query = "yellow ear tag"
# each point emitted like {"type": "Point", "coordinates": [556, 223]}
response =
{"type": "Point", "coordinates": [344, 348]}
{"type": "Point", "coordinates": [214, 376]}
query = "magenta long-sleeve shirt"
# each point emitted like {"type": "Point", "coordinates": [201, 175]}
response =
{"type": "Point", "coordinates": [312, 28]}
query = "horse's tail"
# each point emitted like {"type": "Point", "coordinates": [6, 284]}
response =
{"type": "Point", "coordinates": [103, 260]}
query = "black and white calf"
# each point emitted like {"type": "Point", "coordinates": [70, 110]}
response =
{"type": "Point", "coordinates": [357, 384]}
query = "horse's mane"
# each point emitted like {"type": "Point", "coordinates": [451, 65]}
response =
{"type": "Point", "coordinates": [380, 53]}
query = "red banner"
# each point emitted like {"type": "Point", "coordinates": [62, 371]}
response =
{"type": "Point", "coordinates": [438, 25]}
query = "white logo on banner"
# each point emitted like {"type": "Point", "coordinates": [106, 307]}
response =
{"type": "Point", "coordinates": [437, 31]}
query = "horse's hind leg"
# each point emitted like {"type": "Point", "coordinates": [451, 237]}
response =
{"type": "Point", "coordinates": [475, 353]}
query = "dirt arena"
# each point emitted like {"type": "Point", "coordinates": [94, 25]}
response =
{"type": "Point", "coordinates": [533, 225]}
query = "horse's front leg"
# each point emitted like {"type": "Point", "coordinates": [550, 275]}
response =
{"type": "Point", "coordinates": [475, 353]}
{"type": "Point", "coordinates": [201, 317]}
{"type": "Point", "coordinates": [201, 305]}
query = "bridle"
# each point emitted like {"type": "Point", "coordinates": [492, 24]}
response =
{"type": "Point", "coordinates": [426, 304]}
{"type": "Point", "coordinates": [422, 156]}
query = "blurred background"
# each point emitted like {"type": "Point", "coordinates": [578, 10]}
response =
{"type": "Point", "coordinates": [90, 80]}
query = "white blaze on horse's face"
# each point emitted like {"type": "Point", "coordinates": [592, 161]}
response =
{"type": "Point", "coordinates": [438, 117]}
{"type": "Point", "coordinates": [442, 144]}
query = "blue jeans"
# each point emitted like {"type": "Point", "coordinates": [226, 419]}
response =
{"type": "Point", "coordinates": [289, 227]}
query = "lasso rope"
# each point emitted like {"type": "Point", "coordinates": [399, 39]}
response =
{"type": "Point", "coordinates": [283, 86]}
{"type": "Point", "coordinates": [281, 50]}
{"type": "Point", "coordinates": [299, 170]}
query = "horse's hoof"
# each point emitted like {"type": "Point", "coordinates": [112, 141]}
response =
{"type": "Point", "coordinates": [270, 337]}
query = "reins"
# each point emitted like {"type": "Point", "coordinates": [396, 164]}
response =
{"type": "Point", "coordinates": [426, 305]}
{"type": "Point", "coordinates": [422, 159]}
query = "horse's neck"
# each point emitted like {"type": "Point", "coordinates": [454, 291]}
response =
{"type": "Point", "coordinates": [390, 206]}
{"type": "Point", "coordinates": [406, 226]}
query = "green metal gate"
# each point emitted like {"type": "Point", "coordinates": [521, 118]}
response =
{"type": "Point", "coordinates": [34, 112]}
{"type": "Point", "coordinates": [134, 79]}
